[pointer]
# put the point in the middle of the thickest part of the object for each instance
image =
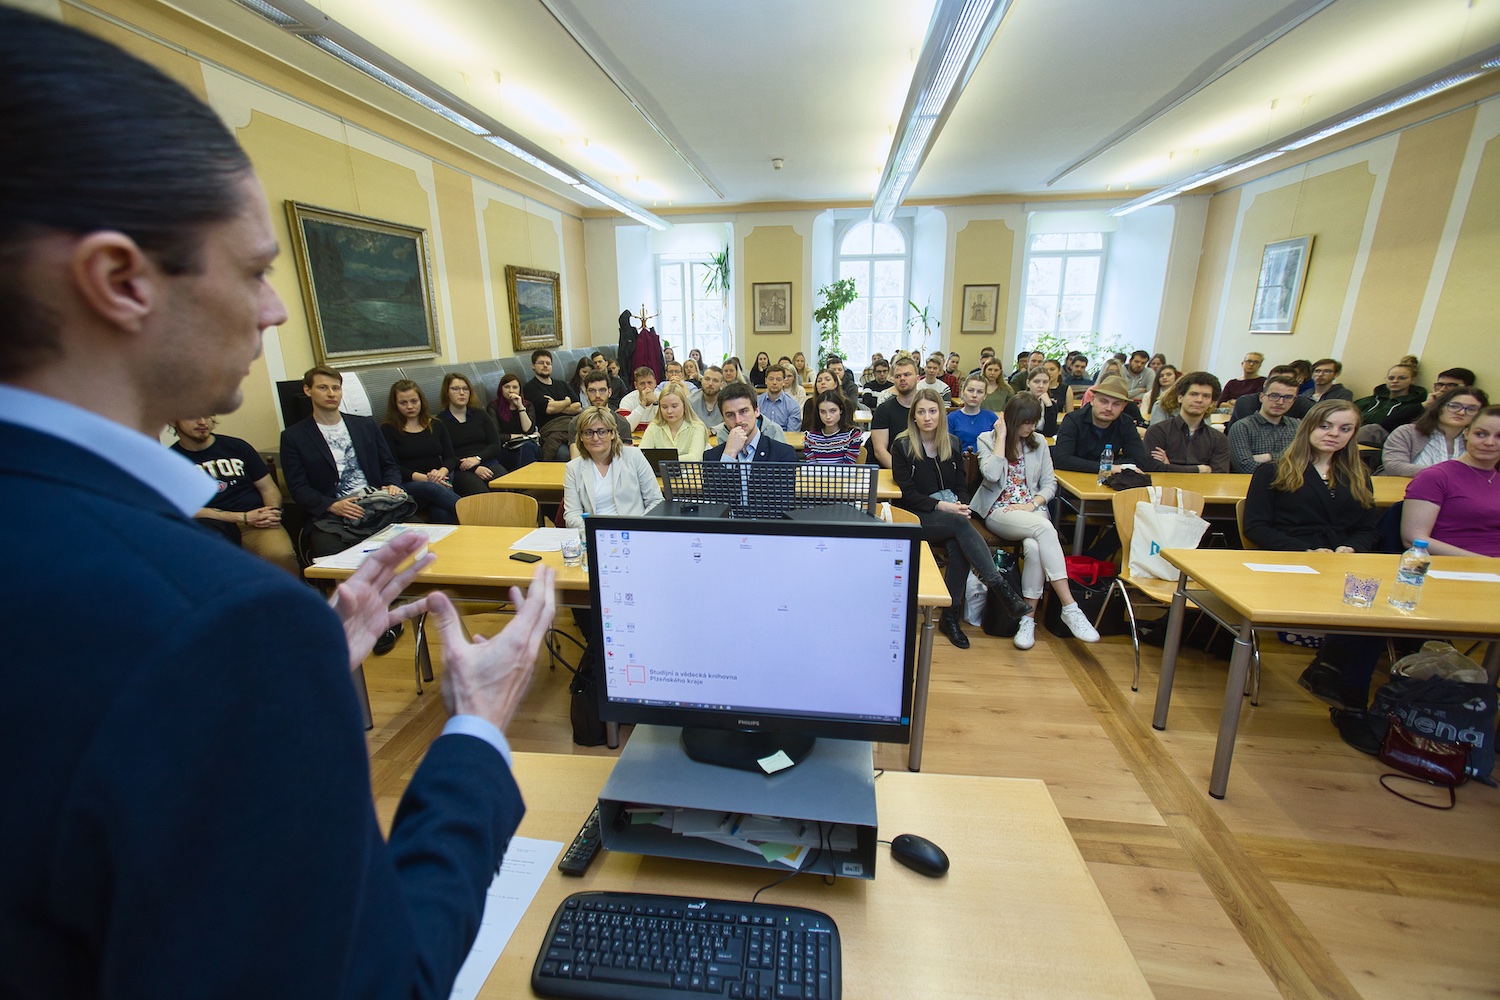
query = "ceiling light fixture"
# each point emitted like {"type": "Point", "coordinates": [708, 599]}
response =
{"type": "Point", "coordinates": [313, 26]}
{"type": "Point", "coordinates": [1393, 100]}
{"type": "Point", "coordinates": [957, 36]}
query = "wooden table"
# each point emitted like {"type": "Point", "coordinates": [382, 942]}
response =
{"type": "Point", "coordinates": [474, 563]}
{"type": "Point", "coordinates": [544, 480]}
{"type": "Point", "coordinates": [1220, 582]}
{"type": "Point", "coordinates": [1083, 492]}
{"type": "Point", "coordinates": [793, 438]}
{"type": "Point", "coordinates": [1018, 914]}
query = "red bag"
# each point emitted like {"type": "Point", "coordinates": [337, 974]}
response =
{"type": "Point", "coordinates": [1090, 571]}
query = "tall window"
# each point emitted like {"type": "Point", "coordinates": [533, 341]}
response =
{"type": "Point", "coordinates": [875, 255]}
{"type": "Point", "coordinates": [1064, 273]}
{"type": "Point", "coordinates": [690, 316]}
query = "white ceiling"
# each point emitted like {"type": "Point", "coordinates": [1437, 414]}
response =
{"type": "Point", "coordinates": [821, 83]}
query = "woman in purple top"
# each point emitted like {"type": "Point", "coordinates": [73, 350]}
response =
{"type": "Point", "coordinates": [1455, 505]}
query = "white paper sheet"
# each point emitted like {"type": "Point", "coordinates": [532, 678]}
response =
{"type": "Point", "coordinates": [1280, 568]}
{"type": "Point", "coordinates": [354, 555]}
{"type": "Point", "coordinates": [1448, 574]}
{"type": "Point", "coordinates": [544, 539]}
{"type": "Point", "coordinates": [527, 862]}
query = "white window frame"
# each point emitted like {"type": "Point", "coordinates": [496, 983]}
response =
{"type": "Point", "coordinates": [694, 295]}
{"type": "Point", "coordinates": [1062, 256]}
{"type": "Point", "coordinates": [841, 228]}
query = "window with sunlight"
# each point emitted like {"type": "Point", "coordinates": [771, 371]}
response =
{"type": "Point", "coordinates": [691, 316]}
{"type": "Point", "coordinates": [877, 256]}
{"type": "Point", "coordinates": [1064, 274]}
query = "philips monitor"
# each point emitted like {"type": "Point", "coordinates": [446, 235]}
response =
{"type": "Point", "coordinates": [756, 637]}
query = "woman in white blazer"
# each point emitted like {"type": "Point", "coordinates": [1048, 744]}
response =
{"type": "Point", "coordinates": [1018, 484]}
{"type": "Point", "coordinates": [606, 477]}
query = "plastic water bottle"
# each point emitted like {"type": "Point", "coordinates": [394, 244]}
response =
{"type": "Point", "coordinates": [1106, 462]}
{"type": "Point", "coordinates": [1415, 562]}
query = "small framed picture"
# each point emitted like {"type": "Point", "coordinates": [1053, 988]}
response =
{"type": "Point", "coordinates": [1278, 289]}
{"type": "Point", "coordinates": [981, 302]}
{"type": "Point", "coordinates": [772, 303]}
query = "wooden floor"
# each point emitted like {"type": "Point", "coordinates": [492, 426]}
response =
{"type": "Point", "coordinates": [1308, 880]}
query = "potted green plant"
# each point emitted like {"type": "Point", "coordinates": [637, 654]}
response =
{"type": "Point", "coordinates": [835, 297]}
{"type": "Point", "coordinates": [922, 319]}
{"type": "Point", "coordinates": [716, 282]}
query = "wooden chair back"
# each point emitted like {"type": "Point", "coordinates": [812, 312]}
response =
{"type": "Point", "coordinates": [1124, 503]}
{"type": "Point", "coordinates": [498, 510]}
{"type": "Point", "coordinates": [1239, 523]}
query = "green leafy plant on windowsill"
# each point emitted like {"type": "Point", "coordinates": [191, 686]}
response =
{"type": "Point", "coordinates": [923, 320]}
{"type": "Point", "coordinates": [835, 297]}
{"type": "Point", "coordinates": [716, 282]}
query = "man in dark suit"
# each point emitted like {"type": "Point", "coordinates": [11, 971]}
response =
{"type": "Point", "coordinates": [336, 464]}
{"type": "Point", "coordinates": [743, 441]}
{"type": "Point", "coordinates": [187, 793]}
{"type": "Point", "coordinates": [730, 470]}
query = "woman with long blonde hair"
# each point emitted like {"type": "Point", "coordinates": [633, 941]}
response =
{"type": "Point", "coordinates": [676, 425]}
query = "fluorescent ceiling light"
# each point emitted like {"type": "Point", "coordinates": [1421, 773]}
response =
{"type": "Point", "coordinates": [957, 36]}
{"type": "Point", "coordinates": [1435, 83]}
{"type": "Point", "coordinates": [312, 25]}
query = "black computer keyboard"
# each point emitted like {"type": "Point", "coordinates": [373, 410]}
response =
{"type": "Point", "coordinates": [636, 946]}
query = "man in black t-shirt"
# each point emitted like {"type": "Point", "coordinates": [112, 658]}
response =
{"type": "Point", "coordinates": [891, 416]}
{"type": "Point", "coordinates": [247, 508]}
{"type": "Point", "coordinates": [553, 402]}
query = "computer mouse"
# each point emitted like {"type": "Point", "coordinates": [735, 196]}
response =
{"type": "Point", "coordinates": [919, 854]}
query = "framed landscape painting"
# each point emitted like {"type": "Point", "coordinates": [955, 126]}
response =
{"type": "Point", "coordinates": [1278, 289]}
{"type": "Point", "coordinates": [535, 307]}
{"type": "Point", "coordinates": [367, 287]}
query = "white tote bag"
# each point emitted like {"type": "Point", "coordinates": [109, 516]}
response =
{"type": "Point", "coordinates": [1160, 527]}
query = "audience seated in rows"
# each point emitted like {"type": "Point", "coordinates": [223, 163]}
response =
{"type": "Point", "coordinates": [1025, 361]}
{"type": "Point", "coordinates": [1018, 483]}
{"type": "Point", "coordinates": [422, 450]}
{"type": "Point", "coordinates": [676, 426]}
{"type": "Point", "coordinates": [1187, 442]}
{"type": "Point", "coordinates": [1251, 381]}
{"type": "Point", "coordinates": [340, 470]}
{"type": "Point", "coordinates": [1262, 438]}
{"type": "Point", "coordinates": [1436, 436]}
{"type": "Point", "coordinates": [829, 435]}
{"type": "Point", "coordinates": [927, 464]}
{"type": "Point", "coordinates": [952, 377]}
{"type": "Point", "coordinates": [246, 510]}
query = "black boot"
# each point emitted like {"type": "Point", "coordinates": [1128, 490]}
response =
{"type": "Point", "coordinates": [1325, 682]}
{"type": "Point", "coordinates": [950, 627]}
{"type": "Point", "coordinates": [387, 640]}
{"type": "Point", "coordinates": [1014, 604]}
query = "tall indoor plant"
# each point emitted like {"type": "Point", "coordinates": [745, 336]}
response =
{"type": "Point", "coordinates": [835, 297]}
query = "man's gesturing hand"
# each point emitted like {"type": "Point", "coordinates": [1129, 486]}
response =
{"type": "Point", "coordinates": [489, 677]}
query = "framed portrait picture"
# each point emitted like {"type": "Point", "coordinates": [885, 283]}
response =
{"type": "Point", "coordinates": [981, 302]}
{"type": "Point", "coordinates": [772, 303]}
{"type": "Point", "coordinates": [367, 286]}
{"type": "Point", "coordinates": [535, 307]}
{"type": "Point", "coordinates": [1278, 289]}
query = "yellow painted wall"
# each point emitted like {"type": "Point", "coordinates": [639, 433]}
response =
{"type": "Point", "coordinates": [983, 252]}
{"type": "Point", "coordinates": [770, 253]}
{"type": "Point", "coordinates": [1468, 310]}
{"type": "Point", "coordinates": [1208, 291]}
{"type": "Point", "coordinates": [323, 157]}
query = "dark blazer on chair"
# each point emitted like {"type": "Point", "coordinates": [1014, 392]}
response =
{"type": "Point", "coordinates": [188, 806]}
{"type": "Point", "coordinates": [308, 466]}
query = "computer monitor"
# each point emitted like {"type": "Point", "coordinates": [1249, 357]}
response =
{"type": "Point", "coordinates": [756, 637]}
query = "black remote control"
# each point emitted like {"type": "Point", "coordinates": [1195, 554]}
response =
{"type": "Point", "coordinates": [580, 854]}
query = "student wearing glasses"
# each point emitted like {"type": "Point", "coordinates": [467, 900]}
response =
{"type": "Point", "coordinates": [606, 478]}
{"type": "Point", "coordinates": [1325, 376]}
{"type": "Point", "coordinates": [1436, 436]}
{"type": "Point", "coordinates": [1264, 436]}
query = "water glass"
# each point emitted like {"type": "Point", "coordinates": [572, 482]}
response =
{"type": "Point", "coordinates": [572, 550]}
{"type": "Point", "coordinates": [1359, 591]}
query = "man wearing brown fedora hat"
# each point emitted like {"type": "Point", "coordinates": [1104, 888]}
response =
{"type": "Point", "coordinates": [1082, 435]}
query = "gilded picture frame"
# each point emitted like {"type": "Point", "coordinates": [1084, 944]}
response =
{"type": "Point", "coordinates": [535, 307]}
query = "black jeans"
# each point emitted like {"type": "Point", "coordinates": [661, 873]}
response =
{"type": "Point", "coordinates": [966, 550]}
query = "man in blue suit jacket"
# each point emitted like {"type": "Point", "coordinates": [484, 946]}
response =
{"type": "Point", "coordinates": [187, 792]}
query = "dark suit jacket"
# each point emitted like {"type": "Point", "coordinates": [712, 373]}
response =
{"type": "Point", "coordinates": [766, 450]}
{"type": "Point", "coordinates": [308, 466]}
{"type": "Point", "coordinates": [188, 807]}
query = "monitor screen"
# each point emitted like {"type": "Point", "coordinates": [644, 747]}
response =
{"type": "Point", "coordinates": [799, 629]}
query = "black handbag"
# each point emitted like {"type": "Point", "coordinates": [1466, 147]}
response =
{"type": "Point", "coordinates": [1127, 479]}
{"type": "Point", "coordinates": [996, 620]}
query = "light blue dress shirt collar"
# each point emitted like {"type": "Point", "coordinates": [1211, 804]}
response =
{"type": "Point", "coordinates": [177, 479]}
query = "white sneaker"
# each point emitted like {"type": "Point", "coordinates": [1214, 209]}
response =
{"type": "Point", "coordinates": [1026, 633]}
{"type": "Point", "coordinates": [1078, 623]}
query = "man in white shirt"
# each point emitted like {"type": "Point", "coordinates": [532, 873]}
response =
{"type": "Point", "coordinates": [640, 404]}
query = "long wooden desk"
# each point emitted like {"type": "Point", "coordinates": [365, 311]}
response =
{"type": "Point", "coordinates": [1243, 600]}
{"type": "Point", "coordinates": [475, 563]}
{"type": "Point", "coordinates": [1082, 492]}
{"type": "Point", "coordinates": [1018, 914]}
{"type": "Point", "coordinates": [544, 480]}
